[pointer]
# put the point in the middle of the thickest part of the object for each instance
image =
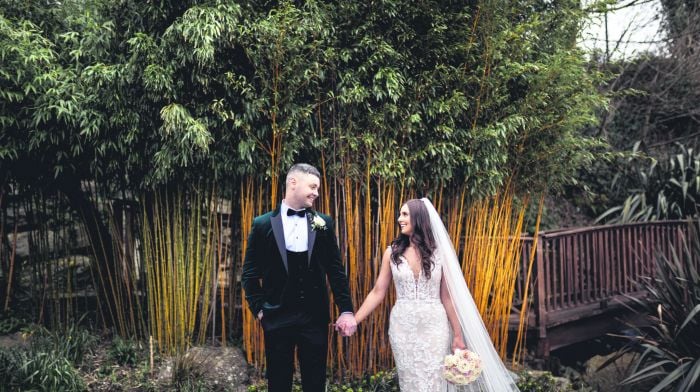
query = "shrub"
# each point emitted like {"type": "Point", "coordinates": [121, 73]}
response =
{"type": "Point", "coordinates": [666, 190]}
{"type": "Point", "coordinates": [47, 372]}
{"type": "Point", "coordinates": [123, 351]}
{"type": "Point", "coordinates": [539, 382]}
{"type": "Point", "coordinates": [48, 363]}
{"type": "Point", "coordinates": [10, 363]}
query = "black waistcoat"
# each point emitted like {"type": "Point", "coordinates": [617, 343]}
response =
{"type": "Point", "coordinates": [298, 289]}
{"type": "Point", "coordinates": [303, 301]}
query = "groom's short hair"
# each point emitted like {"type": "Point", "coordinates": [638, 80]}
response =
{"type": "Point", "coordinates": [302, 168]}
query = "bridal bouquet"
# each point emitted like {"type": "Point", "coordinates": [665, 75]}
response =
{"type": "Point", "coordinates": [462, 367]}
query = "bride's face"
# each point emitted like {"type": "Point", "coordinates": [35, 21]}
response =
{"type": "Point", "coordinates": [405, 221]}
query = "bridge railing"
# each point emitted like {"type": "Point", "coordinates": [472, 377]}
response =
{"type": "Point", "coordinates": [593, 265]}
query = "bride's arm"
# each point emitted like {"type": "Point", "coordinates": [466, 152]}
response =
{"type": "Point", "coordinates": [376, 296]}
{"type": "Point", "coordinates": [458, 340]}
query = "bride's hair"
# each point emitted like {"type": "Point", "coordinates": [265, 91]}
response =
{"type": "Point", "coordinates": [422, 237]}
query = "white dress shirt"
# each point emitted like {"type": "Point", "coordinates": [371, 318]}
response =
{"type": "Point", "coordinates": [296, 230]}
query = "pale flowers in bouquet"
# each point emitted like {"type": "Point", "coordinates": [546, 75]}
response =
{"type": "Point", "coordinates": [462, 367]}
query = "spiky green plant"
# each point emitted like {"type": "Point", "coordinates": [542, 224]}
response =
{"type": "Point", "coordinates": [41, 371]}
{"type": "Point", "coordinates": [70, 341]}
{"type": "Point", "coordinates": [669, 347]}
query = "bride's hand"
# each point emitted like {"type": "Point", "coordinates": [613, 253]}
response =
{"type": "Point", "coordinates": [458, 343]}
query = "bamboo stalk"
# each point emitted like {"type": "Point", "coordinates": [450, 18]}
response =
{"type": "Point", "coordinates": [179, 260]}
{"type": "Point", "coordinates": [524, 310]}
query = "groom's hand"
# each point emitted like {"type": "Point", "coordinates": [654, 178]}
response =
{"type": "Point", "coordinates": [347, 324]}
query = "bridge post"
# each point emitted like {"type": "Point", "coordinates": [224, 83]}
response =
{"type": "Point", "coordinates": [540, 295]}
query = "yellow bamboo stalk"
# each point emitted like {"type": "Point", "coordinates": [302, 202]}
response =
{"type": "Point", "coordinates": [491, 260]}
{"type": "Point", "coordinates": [178, 261]}
{"type": "Point", "coordinates": [524, 310]}
{"type": "Point", "coordinates": [251, 205]}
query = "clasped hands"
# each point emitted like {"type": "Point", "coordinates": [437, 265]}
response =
{"type": "Point", "coordinates": [346, 324]}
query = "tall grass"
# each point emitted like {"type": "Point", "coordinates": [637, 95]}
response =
{"type": "Point", "coordinates": [167, 252]}
{"type": "Point", "coordinates": [12, 253]}
{"type": "Point", "coordinates": [226, 275]}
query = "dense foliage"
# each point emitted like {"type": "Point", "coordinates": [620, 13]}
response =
{"type": "Point", "coordinates": [141, 93]}
{"type": "Point", "coordinates": [669, 189]}
{"type": "Point", "coordinates": [105, 100]}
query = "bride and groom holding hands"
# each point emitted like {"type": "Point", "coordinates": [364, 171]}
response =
{"type": "Point", "coordinates": [292, 251]}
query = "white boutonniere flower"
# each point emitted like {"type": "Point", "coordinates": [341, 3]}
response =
{"type": "Point", "coordinates": [317, 223]}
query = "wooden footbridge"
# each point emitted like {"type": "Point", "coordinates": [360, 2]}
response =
{"type": "Point", "coordinates": [582, 278]}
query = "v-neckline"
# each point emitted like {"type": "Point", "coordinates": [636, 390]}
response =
{"type": "Point", "coordinates": [408, 264]}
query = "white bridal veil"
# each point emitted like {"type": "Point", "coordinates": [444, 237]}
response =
{"type": "Point", "coordinates": [495, 377]}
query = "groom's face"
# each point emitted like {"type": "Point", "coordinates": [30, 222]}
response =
{"type": "Point", "coordinates": [303, 190]}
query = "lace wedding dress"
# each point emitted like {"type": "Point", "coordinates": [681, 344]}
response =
{"type": "Point", "coordinates": [419, 331]}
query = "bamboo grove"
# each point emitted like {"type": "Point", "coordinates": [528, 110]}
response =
{"type": "Point", "coordinates": [139, 140]}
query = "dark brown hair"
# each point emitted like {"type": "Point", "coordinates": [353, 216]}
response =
{"type": "Point", "coordinates": [422, 237]}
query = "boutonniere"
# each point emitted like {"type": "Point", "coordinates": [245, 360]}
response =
{"type": "Point", "coordinates": [317, 223]}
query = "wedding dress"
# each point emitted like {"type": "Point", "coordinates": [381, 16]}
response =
{"type": "Point", "coordinates": [419, 331]}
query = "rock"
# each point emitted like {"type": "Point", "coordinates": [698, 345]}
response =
{"type": "Point", "coordinates": [608, 378]}
{"type": "Point", "coordinates": [221, 368]}
{"type": "Point", "coordinates": [13, 340]}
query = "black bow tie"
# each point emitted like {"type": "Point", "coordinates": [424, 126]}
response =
{"type": "Point", "coordinates": [300, 213]}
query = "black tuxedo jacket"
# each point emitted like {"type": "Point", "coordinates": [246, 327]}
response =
{"type": "Point", "coordinates": [265, 272]}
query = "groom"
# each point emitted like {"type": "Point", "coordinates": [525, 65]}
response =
{"type": "Point", "coordinates": [290, 253]}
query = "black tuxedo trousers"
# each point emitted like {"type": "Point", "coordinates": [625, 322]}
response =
{"type": "Point", "coordinates": [298, 325]}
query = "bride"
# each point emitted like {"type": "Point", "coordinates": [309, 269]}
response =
{"type": "Point", "coordinates": [434, 311]}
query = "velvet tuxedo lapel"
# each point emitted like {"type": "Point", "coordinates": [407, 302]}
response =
{"type": "Point", "coordinates": [312, 234]}
{"type": "Point", "coordinates": [278, 231]}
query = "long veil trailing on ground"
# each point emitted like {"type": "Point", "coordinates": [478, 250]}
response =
{"type": "Point", "coordinates": [495, 376]}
